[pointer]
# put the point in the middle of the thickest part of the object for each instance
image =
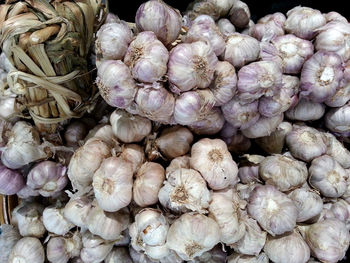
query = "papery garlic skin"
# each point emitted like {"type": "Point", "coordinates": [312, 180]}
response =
{"type": "Point", "coordinates": [269, 26]}
{"type": "Point", "coordinates": [193, 234]}
{"type": "Point", "coordinates": [337, 150]}
{"type": "Point", "coordinates": [211, 125]}
{"type": "Point", "coordinates": [9, 236]}
{"type": "Point", "coordinates": [303, 22]}
{"type": "Point", "coordinates": [77, 209]}
{"type": "Point", "coordinates": [225, 26]}
{"type": "Point", "coordinates": [327, 176]}
{"type": "Point", "coordinates": [148, 182]}
{"type": "Point", "coordinates": [274, 211]}
{"type": "Point", "coordinates": [55, 222]}
{"type": "Point", "coordinates": [8, 106]}
{"type": "Point", "coordinates": [328, 240]}
{"type": "Point", "coordinates": [118, 254]}
{"type": "Point", "coordinates": [185, 190]}
{"type": "Point", "coordinates": [104, 133]}
{"type": "Point", "coordinates": [289, 248]}
{"type": "Point", "coordinates": [337, 119]}
{"type": "Point", "coordinates": [341, 96]}
{"type": "Point", "coordinates": [95, 249]}
{"type": "Point", "coordinates": [306, 110]}
{"type": "Point", "coordinates": [177, 163]}
{"type": "Point", "coordinates": [134, 154]}
{"type": "Point", "coordinates": [263, 127]}
{"type": "Point", "coordinates": [27, 249]}
{"type": "Point", "coordinates": [241, 258]}
{"type": "Point", "coordinates": [335, 16]}
{"type": "Point", "coordinates": [241, 49]}
{"type": "Point", "coordinates": [115, 82]}
{"type": "Point", "coordinates": [129, 128]}
{"type": "Point", "coordinates": [11, 182]}
{"type": "Point", "coordinates": [213, 160]}
{"type": "Point", "coordinates": [191, 65]}
{"type": "Point", "coordinates": [239, 14]}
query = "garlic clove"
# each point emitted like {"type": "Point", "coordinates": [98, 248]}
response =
{"type": "Point", "coordinates": [27, 249]}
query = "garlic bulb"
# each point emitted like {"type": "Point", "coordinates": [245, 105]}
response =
{"type": "Point", "coordinates": [148, 182]}
{"type": "Point", "coordinates": [23, 146]}
{"type": "Point", "coordinates": [115, 82]}
{"type": "Point", "coordinates": [289, 248]}
{"type": "Point", "coordinates": [224, 209]}
{"type": "Point", "coordinates": [204, 28]}
{"type": "Point", "coordinates": [306, 110]}
{"type": "Point", "coordinates": [269, 26]}
{"type": "Point", "coordinates": [112, 184]}
{"type": "Point", "coordinates": [112, 40]}
{"type": "Point", "coordinates": [215, 255]}
{"type": "Point", "coordinates": [241, 49]}
{"type": "Point", "coordinates": [241, 258]}
{"type": "Point", "coordinates": [177, 163]}
{"type": "Point", "coordinates": [328, 240]}
{"type": "Point", "coordinates": [341, 96]}
{"type": "Point", "coordinates": [283, 172]}
{"type": "Point", "coordinates": [8, 106]}
{"type": "Point", "coordinates": [341, 211]}
{"type": "Point", "coordinates": [149, 232]}
{"type": "Point", "coordinates": [228, 130]}
{"type": "Point", "coordinates": [335, 16]}
{"type": "Point", "coordinates": [305, 143]}
{"type": "Point", "coordinates": [105, 224]}
{"type": "Point", "coordinates": [239, 14]}
{"type": "Point", "coordinates": [200, 7]}
{"type": "Point", "coordinates": [139, 257]}
{"type": "Point", "coordinates": [249, 174]}
{"type": "Point", "coordinates": [192, 234]}
{"type": "Point", "coordinates": [308, 203]}
{"type": "Point", "coordinates": [337, 150]}
{"type": "Point", "coordinates": [8, 238]}
{"type": "Point", "coordinates": [55, 222]}
{"type": "Point", "coordinates": [11, 182]}
{"type": "Point", "coordinates": [274, 211]}
{"type": "Point", "coordinates": [104, 133]}
{"type": "Point", "coordinates": [211, 125]}
{"type": "Point", "coordinates": [327, 176]}
{"type": "Point", "coordinates": [163, 20]}
{"type": "Point", "coordinates": [213, 160]}
{"type": "Point", "coordinates": [303, 22]}
{"type": "Point", "coordinates": [61, 249]}
{"type": "Point", "coordinates": [27, 250]}
{"type": "Point", "coordinates": [320, 76]}
{"type": "Point", "coordinates": [337, 119]}
{"type": "Point", "coordinates": [95, 249]}
{"type": "Point", "coordinates": [77, 209]}
{"type": "Point", "coordinates": [191, 65]}
{"type": "Point", "coordinates": [118, 254]}
{"type": "Point", "coordinates": [75, 133]}
{"type": "Point", "coordinates": [134, 154]}
{"type": "Point", "coordinates": [5, 64]}
{"type": "Point", "coordinates": [185, 190]}
{"type": "Point", "coordinates": [263, 127]}
{"type": "Point", "coordinates": [224, 83]}
{"type": "Point", "coordinates": [85, 161]}
{"type": "Point", "coordinates": [225, 26]}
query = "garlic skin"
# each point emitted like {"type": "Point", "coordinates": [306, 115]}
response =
{"type": "Point", "coordinates": [341, 211]}
{"type": "Point", "coordinates": [341, 96]}
{"type": "Point", "coordinates": [320, 76]}
{"type": "Point", "coordinates": [115, 83]}
{"type": "Point", "coordinates": [27, 249]}
{"type": "Point", "coordinates": [8, 106]}
{"type": "Point", "coordinates": [129, 128]}
{"type": "Point", "coordinates": [61, 249]}
{"type": "Point", "coordinates": [241, 49]}
{"type": "Point", "coordinates": [224, 83]}
{"type": "Point", "coordinates": [225, 26]}
{"type": "Point", "coordinates": [112, 184]}
{"type": "Point", "coordinates": [306, 110]}
{"type": "Point", "coordinates": [148, 182]}
{"type": "Point", "coordinates": [11, 182]}
{"type": "Point", "coordinates": [274, 211]}
{"type": "Point", "coordinates": [238, 143]}
{"type": "Point", "coordinates": [337, 151]}
{"type": "Point", "coordinates": [337, 119]}
{"type": "Point", "coordinates": [55, 222]}
{"type": "Point", "coordinates": [240, 258]}
{"type": "Point", "coordinates": [177, 163]}
{"type": "Point", "coordinates": [162, 19]}
{"type": "Point", "coordinates": [308, 203]}
{"type": "Point", "coordinates": [134, 154]}
{"type": "Point", "coordinates": [335, 16]}
{"type": "Point", "coordinates": [224, 209]}
{"type": "Point", "coordinates": [211, 125]}
{"type": "Point", "coordinates": [85, 161]}
{"type": "Point", "coordinates": [263, 127]}
{"type": "Point", "coordinates": [239, 14]}
{"type": "Point", "coordinates": [118, 254]}
{"type": "Point", "coordinates": [77, 209]}
{"type": "Point", "coordinates": [113, 40]}
{"type": "Point", "coordinates": [327, 176]}
{"type": "Point", "coordinates": [149, 232]}
{"type": "Point", "coordinates": [269, 26]}
{"type": "Point", "coordinates": [289, 248]}
{"type": "Point", "coordinates": [95, 249]}
{"type": "Point", "coordinates": [204, 28]}
{"type": "Point", "coordinates": [305, 143]}
{"type": "Point", "coordinates": [303, 22]}
{"type": "Point", "coordinates": [191, 65]}
{"type": "Point", "coordinates": [185, 190]}
{"type": "Point", "coordinates": [328, 240]}
{"type": "Point", "coordinates": [192, 234]}
{"type": "Point", "coordinates": [9, 236]}
{"type": "Point", "coordinates": [213, 160]}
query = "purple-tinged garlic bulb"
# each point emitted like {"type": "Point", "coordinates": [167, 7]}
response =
{"type": "Point", "coordinates": [211, 124]}
{"type": "Point", "coordinates": [306, 110]}
{"type": "Point", "coordinates": [11, 182]}
{"type": "Point", "coordinates": [226, 27]}
{"type": "Point", "coordinates": [338, 119]}
{"type": "Point", "coordinates": [263, 127]}
{"type": "Point", "coordinates": [239, 14]}
{"type": "Point", "coordinates": [269, 27]}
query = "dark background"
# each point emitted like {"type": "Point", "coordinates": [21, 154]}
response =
{"type": "Point", "coordinates": [126, 9]}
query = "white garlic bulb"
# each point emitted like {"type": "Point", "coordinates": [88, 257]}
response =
{"type": "Point", "coordinates": [225, 26]}
{"type": "Point", "coordinates": [61, 249]}
{"type": "Point", "coordinates": [241, 258]}
{"type": "Point", "coordinates": [9, 236]}
{"type": "Point", "coordinates": [185, 190]}
{"type": "Point", "coordinates": [213, 160]}
{"type": "Point", "coordinates": [263, 127]}
{"type": "Point", "coordinates": [55, 222]}
{"type": "Point", "coordinates": [177, 163]}
{"type": "Point", "coordinates": [274, 211]}
{"type": "Point", "coordinates": [284, 172]}
{"type": "Point", "coordinates": [134, 154]}
{"type": "Point", "coordinates": [139, 257]}
{"type": "Point", "coordinates": [327, 176]}
{"type": "Point", "coordinates": [118, 254]}
{"type": "Point", "coordinates": [149, 180]}
{"type": "Point", "coordinates": [27, 250]}
{"type": "Point", "coordinates": [306, 110]}
{"type": "Point", "coordinates": [337, 150]}
{"type": "Point", "coordinates": [95, 249]}
{"type": "Point", "coordinates": [77, 209]}
{"type": "Point", "coordinates": [192, 234]}
{"type": "Point", "coordinates": [103, 132]}
{"type": "Point", "coordinates": [129, 128]}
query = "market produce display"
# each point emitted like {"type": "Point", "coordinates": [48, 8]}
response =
{"type": "Point", "coordinates": [216, 139]}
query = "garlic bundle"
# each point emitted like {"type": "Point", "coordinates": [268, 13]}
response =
{"type": "Point", "coordinates": [55, 222]}
{"type": "Point", "coordinates": [269, 26]}
{"type": "Point", "coordinates": [118, 254]}
{"type": "Point", "coordinates": [308, 203]}
{"type": "Point", "coordinates": [115, 83]}
{"type": "Point", "coordinates": [337, 150]}
{"type": "Point", "coordinates": [134, 154]}
{"type": "Point", "coordinates": [274, 211]}
{"type": "Point", "coordinates": [215, 255]}
{"type": "Point", "coordinates": [305, 143]}
{"type": "Point", "coordinates": [61, 249]}
{"type": "Point", "coordinates": [328, 239]}
{"type": "Point", "coordinates": [95, 249]}
{"type": "Point", "coordinates": [185, 190]}
{"type": "Point", "coordinates": [289, 248]}
{"type": "Point", "coordinates": [85, 161]}
{"type": "Point", "coordinates": [148, 182]}
{"type": "Point", "coordinates": [77, 209]}
{"type": "Point", "coordinates": [177, 163]}
{"type": "Point", "coordinates": [11, 182]}
{"type": "Point", "coordinates": [149, 232]}
{"type": "Point", "coordinates": [192, 234]}
{"type": "Point", "coordinates": [304, 21]}
{"type": "Point", "coordinates": [224, 209]}
{"type": "Point", "coordinates": [27, 249]}
{"type": "Point", "coordinates": [225, 26]}
{"type": "Point", "coordinates": [112, 184]}
{"type": "Point", "coordinates": [23, 146]}
{"type": "Point", "coordinates": [283, 172]}
{"type": "Point", "coordinates": [341, 96]}
{"type": "Point", "coordinates": [239, 14]}
{"type": "Point", "coordinates": [213, 160]}
{"type": "Point", "coordinates": [263, 127]}
{"type": "Point", "coordinates": [306, 110]}
{"type": "Point", "coordinates": [241, 258]}
{"type": "Point", "coordinates": [191, 65]}
{"type": "Point", "coordinates": [204, 28]}
{"type": "Point", "coordinates": [241, 49]}
{"type": "Point", "coordinates": [8, 238]}
{"type": "Point", "coordinates": [75, 133]}
{"type": "Point", "coordinates": [163, 20]}
{"type": "Point", "coordinates": [337, 119]}
{"type": "Point", "coordinates": [327, 176]}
